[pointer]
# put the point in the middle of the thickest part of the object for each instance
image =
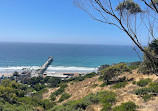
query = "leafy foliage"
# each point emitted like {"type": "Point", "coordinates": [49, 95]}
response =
{"type": "Point", "coordinates": [147, 97]}
{"type": "Point", "coordinates": [130, 6]}
{"type": "Point", "coordinates": [64, 96]}
{"type": "Point", "coordinates": [113, 71]}
{"type": "Point", "coordinates": [120, 85]}
{"type": "Point", "coordinates": [144, 82]}
{"type": "Point", "coordinates": [13, 97]}
{"type": "Point", "coordinates": [128, 106]}
{"type": "Point", "coordinates": [148, 92]}
{"type": "Point", "coordinates": [15, 73]}
{"type": "Point", "coordinates": [106, 98]}
{"type": "Point", "coordinates": [52, 97]}
{"type": "Point", "coordinates": [58, 92]}
{"type": "Point", "coordinates": [103, 85]}
{"type": "Point", "coordinates": [81, 78]}
{"type": "Point", "coordinates": [149, 65]}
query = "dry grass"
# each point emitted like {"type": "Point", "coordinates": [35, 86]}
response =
{"type": "Point", "coordinates": [80, 89]}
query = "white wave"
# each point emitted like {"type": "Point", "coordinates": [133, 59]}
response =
{"type": "Point", "coordinates": [70, 68]}
{"type": "Point", "coordinates": [51, 68]}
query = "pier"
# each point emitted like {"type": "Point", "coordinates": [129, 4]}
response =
{"type": "Point", "coordinates": [40, 71]}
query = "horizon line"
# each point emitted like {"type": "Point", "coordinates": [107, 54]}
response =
{"type": "Point", "coordinates": [65, 43]}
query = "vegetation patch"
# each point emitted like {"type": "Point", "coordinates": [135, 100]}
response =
{"type": "Point", "coordinates": [60, 90]}
{"type": "Point", "coordinates": [147, 97]}
{"type": "Point", "coordinates": [148, 92]}
{"type": "Point", "coordinates": [127, 106]}
{"type": "Point", "coordinates": [15, 96]}
{"type": "Point", "coordinates": [149, 65]}
{"type": "Point", "coordinates": [106, 98]}
{"type": "Point", "coordinates": [119, 85]}
{"type": "Point", "coordinates": [52, 97]}
{"type": "Point", "coordinates": [144, 82]}
{"type": "Point", "coordinates": [132, 67]}
{"type": "Point", "coordinates": [64, 96]}
{"type": "Point", "coordinates": [134, 82]}
{"type": "Point", "coordinates": [94, 85]}
{"type": "Point", "coordinates": [113, 71]}
{"type": "Point", "coordinates": [103, 85]}
{"type": "Point", "coordinates": [81, 78]}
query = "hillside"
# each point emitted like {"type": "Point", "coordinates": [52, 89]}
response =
{"type": "Point", "coordinates": [80, 89]}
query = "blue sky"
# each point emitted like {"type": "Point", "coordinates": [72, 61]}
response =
{"type": "Point", "coordinates": [53, 21]}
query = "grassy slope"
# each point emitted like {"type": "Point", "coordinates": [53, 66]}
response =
{"type": "Point", "coordinates": [78, 90]}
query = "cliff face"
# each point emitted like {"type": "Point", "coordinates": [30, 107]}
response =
{"type": "Point", "coordinates": [80, 89]}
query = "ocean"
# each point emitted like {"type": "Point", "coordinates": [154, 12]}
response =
{"type": "Point", "coordinates": [66, 57]}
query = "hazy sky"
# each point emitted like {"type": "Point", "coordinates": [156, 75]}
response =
{"type": "Point", "coordinates": [53, 21]}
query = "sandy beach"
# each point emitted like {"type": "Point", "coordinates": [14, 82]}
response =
{"type": "Point", "coordinates": [6, 74]}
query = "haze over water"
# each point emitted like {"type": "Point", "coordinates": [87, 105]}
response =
{"type": "Point", "coordinates": [67, 57]}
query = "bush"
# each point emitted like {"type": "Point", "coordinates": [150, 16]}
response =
{"type": "Point", "coordinates": [58, 92]}
{"type": "Point", "coordinates": [133, 67]}
{"type": "Point", "coordinates": [63, 86]}
{"type": "Point", "coordinates": [64, 96]}
{"type": "Point", "coordinates": [114, 70]}
{"type": "Point", "coordinates": [106, 98]}
{"type": "Point", "coordinates": [120, 85]}
{"type": "Point", "coordinates": [94, 85]}
{"type": "Point", "coordinates": [46, 104]}
{"type": "Point", "coordinates": [103, 85]}
{"type": "Point", "coordinates": [148, 92]}
{"type": "Point", "coordinates": [144, 82]}
{"type": "Point", "coordinates": [52, 97]}
{"type": "Point", "coordinates": [15, 73]}
{"type": "Point", "coordinates": [38, 95]}
{"type": "Point", "coordinates": [128, 106]}
{"type": "Point", "coordinates": [134, 82]}
{"type": "Point", "coordinates": [142, 91]}
{"type": "Point", "coordinates": [146, 97]}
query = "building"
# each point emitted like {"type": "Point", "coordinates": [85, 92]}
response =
{"type": "Point", "coordinates": [52, 74]}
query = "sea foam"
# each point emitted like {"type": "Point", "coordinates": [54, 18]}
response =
{"type": "Point", "coordinates": [51, 68]}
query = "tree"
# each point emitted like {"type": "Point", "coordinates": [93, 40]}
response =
{"type": "Point", "coordinates": [128, 16]}
{"type": "Point", "coordinates": [147, 65]}
{"type": "Point", "coordinates": [15, 73]}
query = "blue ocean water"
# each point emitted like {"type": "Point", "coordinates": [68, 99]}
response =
{"type": "Point", "coordinates": [65, 55]}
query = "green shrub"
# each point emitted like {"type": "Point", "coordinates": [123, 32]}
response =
{"type": "Point", "coordinates": [134, 82]}
{"type": "Point", "coordinates": [94, 85]}
{"type": "Point", "coordinates": [52, 97]}
{"type": "Point", "coordinates": [15, 73]}
{"type": "Point", "coordinates": [114, 70]}
{"type": "Point", "coordinates": [103, 85]}
{"type": "Point", "coordinates": [133, 67]}
{"type": "Point", "coordinates": [64, 96]}
{"type": "Point", "coordinates": [148, 92]}
{"type": "Point", "coordinates": [128, 106]}
{"type": "Point", "coordinates": [119, 85]}
{"type": "Point", "coordinates": [58, 92]}
{"type": "Point", "coordinates": [38, 95]}
{"type": "Point", "coordinates": [16, 107]}
{"type": "Point", "coordinates": [144, 82]}
{"type": "Point", "coordinates": [106, 98]}
{"type": "Point", "coordinates": [106, 107]}
{"type": "Point", "coordinates": [47, 104]}
{"type": "Point", "coordinates": [142, 91]}
{"type": "Point", "coordinates": [63, 86]}
{"type": "Point", "coordinates": [146, 97]}
{"type": "Point", "coordinates": [153, 84]}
